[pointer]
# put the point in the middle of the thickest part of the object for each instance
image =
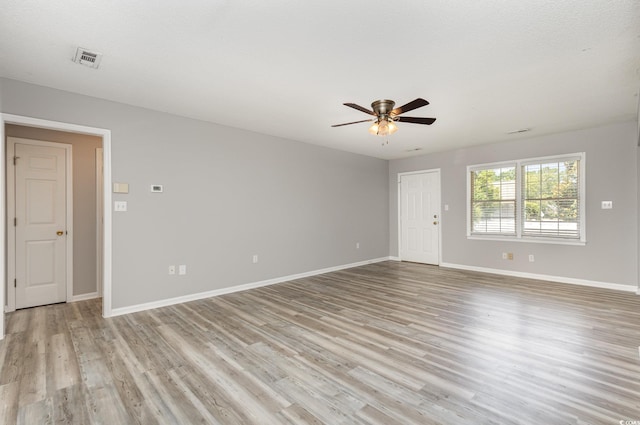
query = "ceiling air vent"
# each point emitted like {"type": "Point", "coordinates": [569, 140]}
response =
{"type": "Point", "coordinates": [87, 58]}
{"type": "Point", "coordinates": [520, 130]}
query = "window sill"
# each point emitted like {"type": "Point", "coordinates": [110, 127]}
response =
{"type": "Point", "coordinates": [528, 240]}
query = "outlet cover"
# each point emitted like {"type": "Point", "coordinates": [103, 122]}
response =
{"type": "Point", "coordinates": [120, 206]}
{"type": "Point", "coordinates": [255, 259]}
{"type": "Point", "coordinates": [172, 269]}
{"type": "Point", "coordinates": [607, 205]}
{"type": "Point", "coordinates": [182, 269]}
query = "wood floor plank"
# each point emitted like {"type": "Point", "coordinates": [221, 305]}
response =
{"type": "Point", "coordinates": [9, 402]}
{"type": "Point", "coordinates": [387, 343]}
{"type": "Point", "coordinates": [61, 362]}
{"type": "Point", "coordinates": [69, 405]}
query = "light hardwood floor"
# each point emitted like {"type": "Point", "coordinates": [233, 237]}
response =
{"type": "Point", "coordinates": [388, 343]}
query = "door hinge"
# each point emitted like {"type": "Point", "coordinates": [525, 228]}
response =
{"type": "Point", "coordinates": [15, 221]}
{"type": "Point", "coordinates": [15, 160]}
{"type": "Point", "coordinates": [15, 283]}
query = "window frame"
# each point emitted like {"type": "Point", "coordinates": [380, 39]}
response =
{"type": "Point", "coordinates": [519, 218]}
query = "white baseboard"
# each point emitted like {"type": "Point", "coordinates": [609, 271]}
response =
{"type": "Point", "coordinates": [84, 297]}
{"type": "Point", "coordinates": [217, 292]}
{"type": "Point", "coordinates": [395, 259]}
{"type": "Point", "coordinates": [75, 298]}
{"type": "Point", "coordinates": [550, 278]}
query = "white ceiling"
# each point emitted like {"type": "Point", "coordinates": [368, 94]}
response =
{"type": "Point", "coordinates": [284, 68]}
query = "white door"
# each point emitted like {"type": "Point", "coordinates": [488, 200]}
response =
{"type": "Point", "coordinates": [420, 217]}
{"type": "Point", "coordinates": [40, 225]}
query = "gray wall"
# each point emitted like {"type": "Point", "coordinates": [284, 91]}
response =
{"type": "Point", "coordinates": [84, 199]}
{"type": "Point", "coordinates": [611, 252]}
{"type": "Point", "coordinates": [228, 194]}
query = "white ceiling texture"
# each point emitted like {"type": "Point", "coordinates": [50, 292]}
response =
{"type": "Point", "coordinates": [284, 67]}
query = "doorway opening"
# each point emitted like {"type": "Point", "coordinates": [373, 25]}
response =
{"type": "Point", "coordinates": [99, 284]}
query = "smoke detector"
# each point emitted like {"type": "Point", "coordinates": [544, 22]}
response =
{"type": "Point", "coordinates": [87, 58]}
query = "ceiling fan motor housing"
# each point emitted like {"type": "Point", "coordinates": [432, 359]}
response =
{"type": "Point", "coordinates": [383, 107]}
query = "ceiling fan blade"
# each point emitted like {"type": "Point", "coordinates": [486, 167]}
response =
{"type": "Point", "coordinates": [414, 104]}
{"type": "Point", "coordinates": [416, 120]}
{"type": "Point", "coordinates": [355, 122]}
{"type": "Point", "coordinates": [359, 108]}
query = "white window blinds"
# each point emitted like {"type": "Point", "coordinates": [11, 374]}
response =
{"type": "Point", "coordinates": [539, 198]}
{"type": "Point", "coordinates": [551, 197]}
{"type": "Point", "coordinates": [493, 202]}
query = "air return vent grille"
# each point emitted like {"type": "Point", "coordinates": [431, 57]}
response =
{"type": "Point", "coordinates": [87, 58]}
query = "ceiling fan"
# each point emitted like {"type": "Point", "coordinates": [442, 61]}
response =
{"type": "Point", "coordinates": [386, 116]}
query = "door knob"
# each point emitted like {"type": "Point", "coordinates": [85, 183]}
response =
{"type": "Point", "coordinates": [59, 233]}
{"type": "Point", "coordinates": [435, 222]}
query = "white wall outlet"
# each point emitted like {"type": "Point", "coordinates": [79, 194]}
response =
{"type": "Point", "coordinates": [607, 205]}
{"type": "Point", "coordinates": [182, 269]}
{"type": "Point", "coordinates": [531, 258]}
{"type": "Point", "coordinates": [255, 258]}
{"type": "Point", "coordinates": [120, 206]}
{"type": "Point", "coordinates": [505, 255]}
{"type": "Point", "coordinates": [446, 207]}
{"type": "Point", "coordinates": [172, 269]}
{"type": "Point", "coordinates": [357, 245]}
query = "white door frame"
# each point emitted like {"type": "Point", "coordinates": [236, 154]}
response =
{"type": "Point", "coordinates": [106, 256]}
{"type": "Point", "coordinates": [11, 230]}
{"type": "Point", "coordinates": [433, 170]}
{"type": "Point", "coordinates": [99, 218]}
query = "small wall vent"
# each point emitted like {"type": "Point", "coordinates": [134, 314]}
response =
{"type": "Point", "coordinates": [87, 58]}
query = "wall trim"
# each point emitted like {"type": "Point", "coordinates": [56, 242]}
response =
{"type": "Point", "coordinates": [238, 288]}
{"type": "Point", "coordinates": [84, 297]}
{"type": "Point", "coordinates": [395, 259]}
{"type": "Point", "coordinates": [550, 278]}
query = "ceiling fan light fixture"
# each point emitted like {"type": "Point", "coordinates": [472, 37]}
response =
{"type": "Point", "coordinates": [383, 127]}
{"type": "Point", "coordinates": [385, 116]}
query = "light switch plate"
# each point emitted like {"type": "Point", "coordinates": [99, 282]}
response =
{"type": "Point", "coordinates": [607, 205]}
{"type": "Point", "coordinates": [121, 188]}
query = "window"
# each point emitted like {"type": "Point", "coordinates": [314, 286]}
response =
{"type": "Point", "coordinates": [493, 201]}
{"type": "Point", "coordinates": [533, 199]}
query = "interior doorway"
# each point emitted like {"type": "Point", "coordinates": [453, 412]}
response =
{"type": "Point", "coordinates": [104, 136]}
